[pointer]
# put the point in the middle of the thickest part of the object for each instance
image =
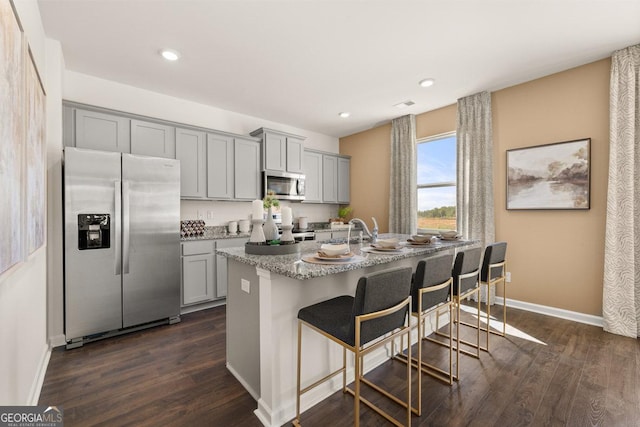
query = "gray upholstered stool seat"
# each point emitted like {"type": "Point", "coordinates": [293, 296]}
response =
{"type": "Point", "coordinates": [332, 316]}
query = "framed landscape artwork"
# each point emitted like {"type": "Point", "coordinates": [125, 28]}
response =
{"type": "Point", "coordinates": [551, 176]}
{"type": "Point", "coordinates": [11, 137]}
{"type": "Point", "coordinates": [35, 157]}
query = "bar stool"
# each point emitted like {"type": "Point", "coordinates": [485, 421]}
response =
{"type": "Point", "coordinates": [465, 274]}
{"type": "Point", "coordinates": [379, 309]}
{"type": "Point", "coordinates": [431, 292]}
{"type": "Point", "coordinates": [493, 271]}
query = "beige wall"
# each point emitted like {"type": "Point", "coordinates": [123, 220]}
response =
{"type": "Point", "coordinates": [369, 153]}
{"type": "Point", "coordinates": [555, 257]}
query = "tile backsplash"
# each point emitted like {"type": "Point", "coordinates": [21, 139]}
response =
{"type": "Point", "coordinates": [219, 213]}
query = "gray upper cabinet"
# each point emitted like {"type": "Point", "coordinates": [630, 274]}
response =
{"type": "Point", "coordinates": [344, 179]}
{"type": "Point", "coordinates": [275, 152]}
{"type": "Point", "coordinates": [281, 151]}
{"type": "Point", "coordinates": [295, 155]}
{"type": "Point", "coordinates": [214, 165]}
{"type": "Point", "coordinates": [247, 169]}
{"type": "Point", "coordinates": [220, 166]}
{"type": "Point", "coordinates": [153, 139]}
{"type": "Point", "coordinates": [329, 179]}
{"type": "Point", "coordinates": [190, 150]}
{"type": "Point", "coordinates": [313, 176]}
{"type": "Point", "coordinates": [99, 131]}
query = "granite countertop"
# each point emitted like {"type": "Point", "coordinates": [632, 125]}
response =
{"type": "Point", "coordinates": [293, 266]}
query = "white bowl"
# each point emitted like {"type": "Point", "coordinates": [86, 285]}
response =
{"type": "Point", "coordinates": [449, 233]}
{"type": "Point", "coordinates": [334, 250]}
{"type": "Point", "coordinates": [421, 238]}
{"type": "Point", "coordinates": [388, 243]}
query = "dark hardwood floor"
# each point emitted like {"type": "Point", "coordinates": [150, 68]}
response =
{"type": "Point", "coordinates": [548, 372]}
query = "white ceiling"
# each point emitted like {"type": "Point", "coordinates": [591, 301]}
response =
{"type": "Point", "coordinates": [301, 62]}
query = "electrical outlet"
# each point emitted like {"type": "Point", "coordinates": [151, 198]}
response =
{"type": "Point", "coordinates": [200, 214]}
{"type": "Point", "coordinates": [209, 214]}
{"type": "Point", "coordinates": [245, 285]}
{"type": "Point", "coordinates": [508, 277]}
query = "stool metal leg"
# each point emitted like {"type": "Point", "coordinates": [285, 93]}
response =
{"type": "Point", "coordinates": [296, 421]}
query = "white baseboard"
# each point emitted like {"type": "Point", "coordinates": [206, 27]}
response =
{"type": "Point", "coordinates": [38, 381]}
{"type": "Point", "coordinates": [197, 307]}
{"type": "Point", "coordinates": [588, 319]}
{"type": "Point", "coordinates": [255, 394]}
{"type": "Point", "coordinates": [57, 341]}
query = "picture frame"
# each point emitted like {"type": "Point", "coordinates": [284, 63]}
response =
{"type": "Point", "coordinates": [12, 135]}
{"type": "Point", "coordinates": [550, 176]}
{"type": "Point", "coordinates": [35, 156]}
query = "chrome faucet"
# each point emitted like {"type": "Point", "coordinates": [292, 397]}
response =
{"type": "Point", "coordinates": [373, 234]}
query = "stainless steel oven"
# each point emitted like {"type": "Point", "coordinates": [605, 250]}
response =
{"type": "Point", "coordinates": [286, 186]}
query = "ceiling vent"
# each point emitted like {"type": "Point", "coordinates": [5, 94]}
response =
{"type": "Point", "coordinates": [404, 104]}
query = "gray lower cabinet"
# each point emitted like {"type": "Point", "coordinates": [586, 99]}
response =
{"type": "Point", "coordinates": [246, 164]}
{"type": "Point", "coordinates": [153, 139]}
{"type": "Point", "coordinates": [97, 131]}
{"type": "Point", "coordinates": [344, 180]}
{"type": "Point", "coordinates": [198, 272]}
{"type": "Point", "coordinates": [221, 264]}
{"type": "Point", "coordinates": [191, 150]}
{"type": "Point", "coordinates": [204, 274]}
{"type": "Point", "coordinates": [313, 177]}
{"type": "Point", "coordinates": [220, 166]}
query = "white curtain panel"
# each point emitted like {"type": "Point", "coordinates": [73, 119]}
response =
{"type": "Point", "coordinates": [475, 216]}
{"type": "Point", "coordinates": [621, 287]}
{"type": "Point", "coordinates": [403, 205]}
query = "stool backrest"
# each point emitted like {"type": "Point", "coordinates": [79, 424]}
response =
{"type": "Point", "coordinates": [379, 291]}
{"type": "Point", "coordinates": [495, 253]}
{"type": "Point", "coordinates": [466, 262]}
{"type": "Point", "coordinates": [430, 272]}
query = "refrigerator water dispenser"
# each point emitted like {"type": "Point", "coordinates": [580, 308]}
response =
{"type": "Point", "coordinates": [93, 231]}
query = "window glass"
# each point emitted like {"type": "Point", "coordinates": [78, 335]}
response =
{"type": "Point", "coordinates": [437, 182]}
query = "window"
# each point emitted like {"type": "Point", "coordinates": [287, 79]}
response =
{"type": "Point", "coordinates": [437, 182]}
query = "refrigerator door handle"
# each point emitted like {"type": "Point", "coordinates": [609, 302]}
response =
{"type": "Point", "coordinates": [125, 227]}
{"type": "Point", "coordinates": [118, 231]}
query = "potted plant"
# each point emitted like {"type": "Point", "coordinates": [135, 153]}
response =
{"type": "Point", "coordinates": [343, 214]}
{"type": "Point", "coordinates": [270, 200]}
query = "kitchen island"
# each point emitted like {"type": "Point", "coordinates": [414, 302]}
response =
{"type": "Point", "coordinates": [265, 293]}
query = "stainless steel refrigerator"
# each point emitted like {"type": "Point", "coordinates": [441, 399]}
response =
{"type": "Point", "coordinates": [122, 243]}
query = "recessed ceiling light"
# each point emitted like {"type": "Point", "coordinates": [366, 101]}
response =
{"type": "Point", "coordinates": [404, 104]}
{"type": "Point", "coordinates": [426, 82]}
{"type": "Point", "coordinates": [344, 114]}
{"type": "Point", "coordinates": [170, 54]}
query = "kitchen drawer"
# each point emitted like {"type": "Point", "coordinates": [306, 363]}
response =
{"type": "Point", "coordinates": [197, 248]}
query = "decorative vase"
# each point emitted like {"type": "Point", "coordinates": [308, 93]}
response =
{"type": "Point", "coordinates": [270, 228]}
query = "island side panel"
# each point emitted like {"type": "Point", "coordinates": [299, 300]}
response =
{"type": "Point", "coordinates": [243, 326]}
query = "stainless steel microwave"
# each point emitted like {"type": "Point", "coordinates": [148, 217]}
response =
{"type": "Point", "coordinates": [286, 186]}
